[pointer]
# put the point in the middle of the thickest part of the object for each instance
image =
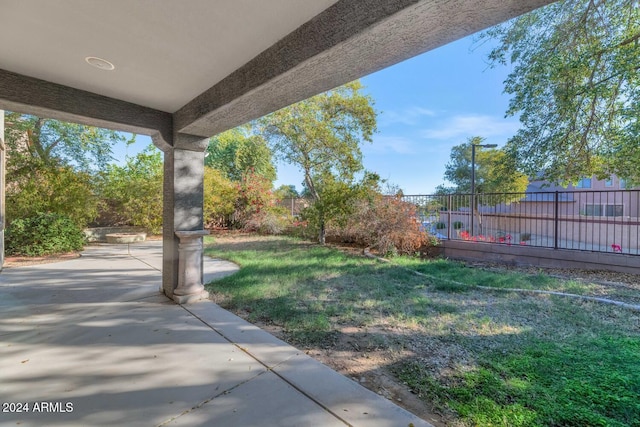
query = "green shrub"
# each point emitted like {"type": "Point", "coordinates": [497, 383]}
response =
{"type": "Point", "coordinates": [524, 237]}
{"type": "Point", "coordinates": [43, 234]}
{"type": "Point", "coordinates": [457, 225]}
{"type": "Point", "coordinates": [220, 196]}
{"type": "Point", "coordinates": [132, 194]}
{"type": "Point", "coordinates": [36, 187]}
{"type": "Point", "coordinates": [440, 225]}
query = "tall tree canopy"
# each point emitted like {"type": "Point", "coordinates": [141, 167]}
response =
{"type": "Point", "coordinates": [286, 192]}
{"type": "Point", "coordinates": [575, 83]}
{"type": "Point", "coordinates": [52, 142]}
{"type": "Point", "coordinates": [239, 150]}
{"type": "Point", "coordinates": [495, 171]}
{"type": "Point", "coordinates": [49, 164]}
{"type": "Point", "coordinates": [238, 177]}
{"type": "Point", "coordinates": [322, 136]}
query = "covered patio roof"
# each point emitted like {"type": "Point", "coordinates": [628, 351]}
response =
{"type": "Point", "coordinates": [201, 67]}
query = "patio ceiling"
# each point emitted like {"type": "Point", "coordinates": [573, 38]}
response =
{"type": "Point", "coordinates": [200, 67]}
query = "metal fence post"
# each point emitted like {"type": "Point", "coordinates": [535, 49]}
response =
{"type": "Point", "coordinates": [555, 219]}
{"type": "Point", "coordinates": [449, 207]}
{"type": "Point", "coordinates": [472, 200]}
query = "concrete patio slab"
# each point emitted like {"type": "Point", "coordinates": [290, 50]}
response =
{"type": "Point", "coordinates": [260, 344]}
{"type": "Point", "coordinates": [90, 341]}
{"type": "Point", "coordinates": [266, 401]}
{"type": "Point", "coordinates": [339, 394]}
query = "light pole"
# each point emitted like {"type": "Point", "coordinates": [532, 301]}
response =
{"type": "Point", "coordinates": [473, 180]}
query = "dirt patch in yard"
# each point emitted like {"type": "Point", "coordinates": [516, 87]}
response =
{"type": "Point", "coordinates": [22, 261]}
{"type": "Point", "coordinates": [362, 354]}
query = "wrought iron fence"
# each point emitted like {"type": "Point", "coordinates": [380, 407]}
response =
{"type": "Point", "coordinates": [599, 221]}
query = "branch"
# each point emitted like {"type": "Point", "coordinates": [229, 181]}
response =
{"type": "Point", "coordinates": [594, 103]}
{"type": "Point", "coordinates": [627, 41]}
{"type": "Point", "coordinates": [604, 80]}
{"type": "Point", "coordinates": [51, 147]}
{"type": "Point", "coordinates": [311, 186]}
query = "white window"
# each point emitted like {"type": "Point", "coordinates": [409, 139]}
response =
{"type": "Point", "coordinates": [623, 184]}
{"type": "Point", "coordinates": [613, 210]}
{"type": "Point", "coordinates": [602, 210]}
{"type": "Point", "coordinates": [592, 210]}
{"type": "Point", "coordinates": [608, 182]}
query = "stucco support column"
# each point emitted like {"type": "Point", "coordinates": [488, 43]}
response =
{"type": "Point", "coordinates": [190, 261]}
{"type": "Point", "coordinates": [182, 212]}
{"type": "Point", "coordinates": [2, 188]}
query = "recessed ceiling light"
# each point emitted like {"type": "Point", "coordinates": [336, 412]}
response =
{"type": "Point", "coordinates": [100, 63]}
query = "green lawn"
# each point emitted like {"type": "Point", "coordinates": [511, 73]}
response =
{"type": "Point", "coordinates": [488, 358]}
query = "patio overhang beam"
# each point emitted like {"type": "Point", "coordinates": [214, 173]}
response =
{"type": "Point", "coordinates": [350, 39]}
{"type": "Point", "coordinates": [29, 95]}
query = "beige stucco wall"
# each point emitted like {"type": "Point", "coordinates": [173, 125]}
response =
{"type": "Point", "coordinates": [541, 257]}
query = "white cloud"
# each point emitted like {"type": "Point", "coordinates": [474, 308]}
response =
{"type": "Point", "coordinates": [409, 116]}
{"type": "Point", "coordinates": [472, 125]}
{"type": "Point", "coordinates": [390, 144]}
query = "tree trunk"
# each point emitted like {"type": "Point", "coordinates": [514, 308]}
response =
{"type": "Point", "coordinates": [316, 199]}
{"type": "Point", "coordinates": [478, 221]}
{"type": "Point", "coordinates": [321, 233]}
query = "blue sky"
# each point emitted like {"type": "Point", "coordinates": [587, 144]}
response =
{"type": "Point", "coordinates": [427, 105]}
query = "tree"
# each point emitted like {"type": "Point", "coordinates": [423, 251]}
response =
{"type": "Point", "coordinates": [286, 192]}
{"type": "Point", "coordinates": [54, 143]}
{"type": "Point", "coordinates": [495, 171]}
{"type": "Point", "coordinates": [322, 136]}
{"type": "Point", "coordinates": [575, 83]}
{"type": "Point", "coordinates": [337, 201]}
{"type": "Point", "coordinates": [132, 193]}
{"type": "Point", "coordinates": [50, 189]}
{"type": "Point", "coordinates": [220, 197]}
{"type": "Point", "coordinates": [255, 197]}
{"type": "Point", "coordinates": [239, 150]}
{"type": "Point", "coordinates": [49, 164]}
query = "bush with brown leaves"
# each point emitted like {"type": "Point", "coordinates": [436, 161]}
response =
{"type": "Point", "coordinates": [386, 224]}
